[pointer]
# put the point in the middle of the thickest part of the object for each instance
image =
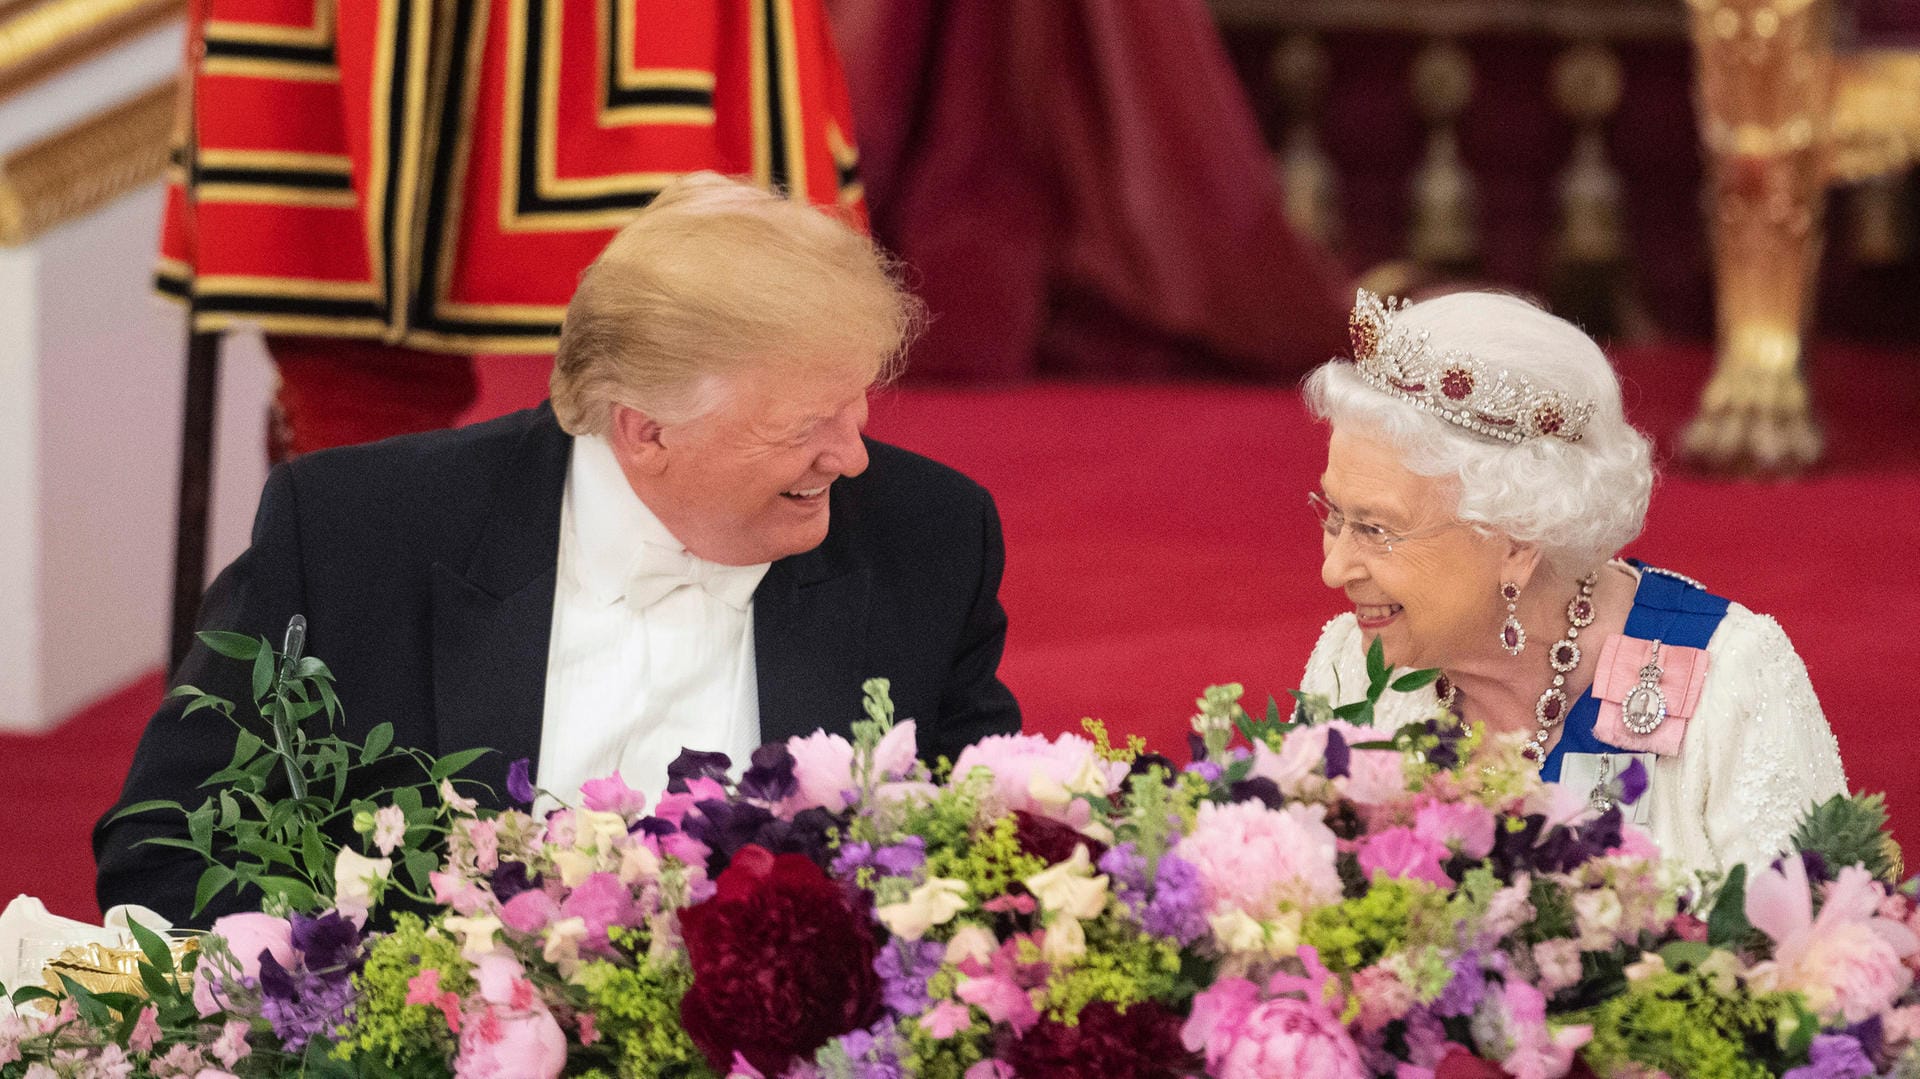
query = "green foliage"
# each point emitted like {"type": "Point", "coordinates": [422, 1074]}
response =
{"type": "Point", "coordinates": [637, 1014]}
{"type": "Point", "coordinates": [268, 828]}
{"type": "Point", "coordinates": [1317, 708]}
{"type": "Point", "coordinates": [1392, 915]}
{"type": "Point", "coordinates": [990, 860]}
{"type": "Point", "coordinates": [409, 1039]}
{"type": "Point", "coordinates": [1851, 830]}
{"type": "Point", "coordinates": [1684, 1022]}
{"type": "Point", "coordinates": [1121, 967]}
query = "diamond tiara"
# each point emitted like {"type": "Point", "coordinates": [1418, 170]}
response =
{"type": "Point", "coordinates": [1453, 385]}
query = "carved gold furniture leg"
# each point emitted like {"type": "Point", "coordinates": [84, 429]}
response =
{"type": "Point", "coordinates": [1765, 71]}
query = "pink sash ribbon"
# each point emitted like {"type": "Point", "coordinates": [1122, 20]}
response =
{"type": "Point", "coordinates": [1683, 672]}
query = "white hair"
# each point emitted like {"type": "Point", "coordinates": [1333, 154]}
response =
{"type": "Point", "coordinates": [1581, 502]}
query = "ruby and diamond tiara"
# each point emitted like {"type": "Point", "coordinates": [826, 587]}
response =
{"type": "Point", "coordinates": [1453, 385]}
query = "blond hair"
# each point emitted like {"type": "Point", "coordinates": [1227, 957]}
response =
{"type": "Point", "coordinates": [716, 277]}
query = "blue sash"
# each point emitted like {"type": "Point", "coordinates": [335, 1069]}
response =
{"type": "Point", "coordinates": [1665, 609]}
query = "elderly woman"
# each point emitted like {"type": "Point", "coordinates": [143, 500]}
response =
{"type": "Point", "coordinates": [1480, 478]}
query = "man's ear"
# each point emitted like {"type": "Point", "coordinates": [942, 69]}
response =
{"type": "Point", "coordinates": [635, 437]}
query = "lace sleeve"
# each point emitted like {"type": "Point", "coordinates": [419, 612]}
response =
{"type": "Point", "coordinates": [1771, 753]}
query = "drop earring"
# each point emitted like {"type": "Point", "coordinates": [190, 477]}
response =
{"type": "Point", "coordinates": [1513, 635]}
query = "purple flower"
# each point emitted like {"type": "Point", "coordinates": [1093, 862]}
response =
{"type": "Point", "coordinates": [902, 859]}
{"type": "Point", "coordinates": [520, 782]}
{"type": "Point", "coordinates": [1126, 868]}
{"type": "Point", "coordinates": [1834, 1056]}
{"type": "Point", "coordinates": [1258, 789]}
{"type": "Point", "coordinates": [770, 778]}
{"type": "Point", "coordinates": [1464, 990]}
{"type": "Point", "coordinates": [1339, 757]}
{"type": "Point", "coordinates": [692, 764]}
{"type": "Point", "coordinates": [328, 943]}
{"type": "Point", "coordinates": [1633, 782]}
{"type": "Point", "coordinates": [904, 967]}
{"type": "Point", "coordinates": [303, 1004]}
{"type": "Point", "coordinates": [1206, 770]}
{"type": "Point", "coordinates": [874, 1053]}
{"type": "Point", "coordinates": [512, 878]}
{"type": "Point", "coordinates": [1178, 907]}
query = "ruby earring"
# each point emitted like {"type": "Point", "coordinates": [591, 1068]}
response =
{"type": "Point", "coordinates": [1513, 635]}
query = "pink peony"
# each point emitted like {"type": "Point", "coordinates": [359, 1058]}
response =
{"type": "Point", "coordinates": [1463, 827]}
{"type": "Point", "coordinates": [1244, 1038]}
{"type": "Point", "coordinates": [1849, 960]}
{"type": "Point", "coordinates": [1021, 762]}
{"type": "Point", "coordinates": [612, 795]}
{"type": "Point", "coordinates": [249, 936]}
{"type": "Point", "coordinates": [1258, 860]}
{"type": "Point", "coordinates": [823, 767]}
{"type": "Point", "coordinates": [496, 1044]}
{"type": "Point", "coordinates": [1404, 854]}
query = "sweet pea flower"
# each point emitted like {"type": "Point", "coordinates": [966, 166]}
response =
{"type": "Point", "coordinates": [562, 947]}
{"type": "Point", "coordinates": [530, 911]}
{"type": "Point", "coordinates": [599, 830]}
{"type": "Point", "coordinates": [1064, 941]}
{"type": "Point", "coordinates": [1559, 963]}
{"type": "Point", "coordinates": [1001, 999]}
{"type": "Point", "coordinates": [1848, 961]}
{"type": "Point", "coordinates": [454, 801]}
{"type": "Point", "coordinates": [1070, 887]}
{"type": "Point", "coordinates": [574, 866]}
{"type": "Point", "coordinates": [611, 794]}
{"type": "Point", "coordinates": [476, 934]}
{"type": "Point", "coordinates": [971, 942]}
{"type": "Point", "coordinates": [932, 903]}
{"type": "Point", "coordinates": [1463, 827]}
{"type": "Point", "coordinates": [638, 862]}
{"type": "Point", "coordinates": [604, 903]}
{"type": "Point", "coordinates": [249, 936]}
{"type": "Point", "coordinates": [356, 879]}
{"type": "Point", "coordinates": [462, 895]}
{"type": "Point", "coordinates": [946, 1019]}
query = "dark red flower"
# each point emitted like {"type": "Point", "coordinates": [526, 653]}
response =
{"type": "Point", "coordinates": [1044, 837]}
{"type": "Point", "coordinates": [1460, 1063]}
{"type": "Point", "coordinates": [782, 962]}
{"type": "Point", "coordinates": [1142, 1044]}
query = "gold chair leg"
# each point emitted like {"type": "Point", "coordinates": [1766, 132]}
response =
{"type": "Point", "coordinates": [1764, 74]}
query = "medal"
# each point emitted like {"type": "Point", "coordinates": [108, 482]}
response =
{"type": "Point", "coordinates": [1646, 705]}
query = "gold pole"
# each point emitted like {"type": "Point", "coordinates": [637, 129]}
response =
{"type": "Point", "coordinates": [1765, 80]}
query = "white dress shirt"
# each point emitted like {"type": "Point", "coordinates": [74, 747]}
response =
{"type": "Point", "coordinates": [640, 667]}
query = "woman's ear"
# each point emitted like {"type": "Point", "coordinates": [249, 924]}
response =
{"type": "Point", "coordinates": [635, 438]}
{"type": "Point", "coordinates": [1520, 562]}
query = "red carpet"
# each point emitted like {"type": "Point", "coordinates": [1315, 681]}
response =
{"type": "Point", "coordinates": [1158, 541]}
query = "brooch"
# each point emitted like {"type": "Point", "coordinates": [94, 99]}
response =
{"type": "Point", "coordinates": [1646, 705]}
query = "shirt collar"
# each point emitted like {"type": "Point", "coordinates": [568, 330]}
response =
{"type": "Point", "coordinates": [609, 522]}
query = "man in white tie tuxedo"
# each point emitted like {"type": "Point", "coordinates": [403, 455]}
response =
{"type": "Point", "coordinates": [691, 545]}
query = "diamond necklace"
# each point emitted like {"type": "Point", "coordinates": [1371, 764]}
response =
{"type": "Point", "coordinates": [1564, 656]}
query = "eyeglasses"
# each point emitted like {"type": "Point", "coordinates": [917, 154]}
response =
{"type": "Point", "coordinates": [1369, 537]}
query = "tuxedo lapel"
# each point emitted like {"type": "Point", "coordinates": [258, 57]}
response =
{"type": "Point", "coordinates": [809, 638]}
{"type": "Point", "coordinates": [493, 616]}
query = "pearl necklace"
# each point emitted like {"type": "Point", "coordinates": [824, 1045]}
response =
{"type": "Point", "coordinates": [1564, 656]}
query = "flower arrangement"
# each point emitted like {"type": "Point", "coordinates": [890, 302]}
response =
{"type": "Point", "coordinates": [1309, 896]}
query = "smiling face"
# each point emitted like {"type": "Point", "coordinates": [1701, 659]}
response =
{"type": "Point", "coordinates": [1432, 600]}
{"type": "Point", "coordinates": [748, 481]}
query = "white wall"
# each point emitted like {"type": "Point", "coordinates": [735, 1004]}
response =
{"type": "Point", "coordinates": [92, 369]}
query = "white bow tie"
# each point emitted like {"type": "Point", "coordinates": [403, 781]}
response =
{"type": "Point", "coordinates": [658, 571]}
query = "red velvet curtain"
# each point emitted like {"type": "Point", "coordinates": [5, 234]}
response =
{"type": "Point", "coordinates": [1080, 187]}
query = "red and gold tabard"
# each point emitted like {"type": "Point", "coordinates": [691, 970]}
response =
{"type": "Point", "coordinates": [436, 173]}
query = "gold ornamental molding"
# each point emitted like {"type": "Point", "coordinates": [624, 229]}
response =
{"type": "Point", "coordinates": [41, 37]}
{"type": "Point", "coordinates": [71, 174]}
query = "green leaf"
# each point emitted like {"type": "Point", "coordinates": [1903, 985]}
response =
{"type": "Point", "coordinates": [454, 763]}
{"type": "Point", "coordinates": [262, 675]}
{"type": "Point", "coordinates": [1352, 711]}
{"type": "Point", "coordinates": [200, 825]}
{"type": "Point", "coordinates": [90, 1006]}
{"type": "Point", "coordinates": [151, 946]}
{"type": "Point", "coordinates": [175, 841]}
{"type": "Point", "coordinates": [420, 863]}
{"type": "Point", "coordinates": [229, 811]}
{"type": "Point", "coordinates": [214, 878]}
{"type": "Point", "coordinates": [378, 739]}
{"type": "Point", "coordinates": [1728, 923]}
{"type": "Point", "coordinates": [147, 806]}
{"type": "Point", "coordinates": [27, 994]}
{"type": "Point", "coordinates": [408, 799]}
{"type": "Point", "coordinates": [1685, 954]}
{"type": "Point", "coordinates": [298, 894]}
{"type": "Point", "coordinates": [245, 745]}
{"type": "Point", "coordinates": [1273, 711]}
{"type": "Point", "coordinates": [233, 645]}
{"type": "Point", "coordinates": [1411, 681]}
{"type": "Point", "coordinates": [314, 853]}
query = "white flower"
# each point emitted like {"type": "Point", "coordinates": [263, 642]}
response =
{"type": "Point", "coordinates": [574, 866]}
{"type": "Point", "coordinates": [598, 830]}
{"type": "Point", "coordinates": [971, 942]}
{"type": "Point", "coordinates": [638, 863]}
{"type": "Point", "coordinates": [1065, 941]}
{"type": "Point", "coordinates": [933, 903]}
{"type": "Point", "coordinates": [563, 944]}
{"type": "Point", "coordinates": [356, 879]}
{"type": "Point", "coordinates": [476, 934]}
{"type": "Point", "coordinates": [1070, 886]}
{"type": "Point", "coordinates": [389, 828]}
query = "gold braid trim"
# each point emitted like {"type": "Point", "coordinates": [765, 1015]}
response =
{"type": "Point", "coordinates": [81, 169]}
{"type": "Point", "coordinates": [41, 37]}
